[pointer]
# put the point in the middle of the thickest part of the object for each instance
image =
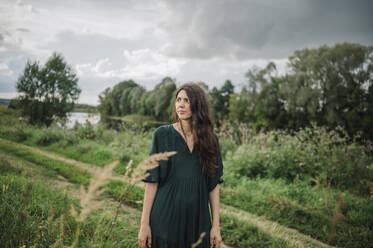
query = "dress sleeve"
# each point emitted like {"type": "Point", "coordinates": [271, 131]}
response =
{"type": "Point", "coordinates": [217, 178]}
{"type": "Point", "coordinates": [153, 176]}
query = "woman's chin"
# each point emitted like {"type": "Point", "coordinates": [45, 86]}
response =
{"type": "Point", "coordinates": [184, 118]}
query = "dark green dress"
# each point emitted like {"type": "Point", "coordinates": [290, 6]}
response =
{"type": "Point", "coordinates": [180, 211]}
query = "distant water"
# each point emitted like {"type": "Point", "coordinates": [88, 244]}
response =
{"type": "Point", "coordinates": [81, 117]}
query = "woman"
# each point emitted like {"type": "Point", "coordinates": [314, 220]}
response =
{"type": "Point", "coordinates": [177, 193]}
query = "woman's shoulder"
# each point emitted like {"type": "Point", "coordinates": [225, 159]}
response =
{"type": "Point", "coordinates": [162, 130]}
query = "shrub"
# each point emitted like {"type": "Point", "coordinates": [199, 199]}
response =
{"type": "Point", "coordinates": [106, 135]}
{"type": "Point", "coordinates": [85, 131]}
{"type": "Point", "coordinates": [312, 154]}
{"type": "Point", "coordinates": [16, 132]}
{"type": "Point", "coordinates": [48, 136]}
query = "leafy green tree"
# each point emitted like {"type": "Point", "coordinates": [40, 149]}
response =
{"type": "Point", "coordinates": [49, 91]}
{"type": "Point", "coordinates": [123, 99]}
{"type": "Point", "coordinates": [239, 107]}
{"type": "Point", "coordinates": [159, 99]}
{"type": "Point", "coordinates": [105, 103]}
{"type": "Point", "coordinates": [119, 95]}
{"type": "Point", "coordinates": [332, 86]}
{"type": "Point", "coordinates": [134, 98]}
{"type": "Point", "coordinates": [220, 101]}
{"type": "Point", "coordinates": [270, 110]}
{"type": "Point", "coordinates": [259, 101]}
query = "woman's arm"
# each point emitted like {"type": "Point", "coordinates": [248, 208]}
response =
{"type": "Point", "coordinates": [214, 197]}
{"type": "Point", "coordinates": [145, 236]}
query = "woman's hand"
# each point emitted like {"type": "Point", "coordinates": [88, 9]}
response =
{"type": "Point", "coordinates": [215, 236]}
{"type": "Point", "coordinates": [145, 236]}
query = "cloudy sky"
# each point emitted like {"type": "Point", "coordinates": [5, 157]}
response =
{"type": "Point", "coordinates": [190, 40]}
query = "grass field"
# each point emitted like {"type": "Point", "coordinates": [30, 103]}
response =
{"type": "Point", "coordinates": [269, 198]}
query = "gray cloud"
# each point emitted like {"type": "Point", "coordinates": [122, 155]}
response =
{"type": "Point", "coordinates": [263, 29]}
{"type": "Point", "coordinates": [23, 30]}
{"type": "Point", "coordinates": [90, 47]}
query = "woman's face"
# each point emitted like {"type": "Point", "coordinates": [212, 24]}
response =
{"type": "Point", "coordinates": [182, 106]}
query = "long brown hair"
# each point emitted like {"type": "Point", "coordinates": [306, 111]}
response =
{"type": "Point", "coordinates": [202, 126]}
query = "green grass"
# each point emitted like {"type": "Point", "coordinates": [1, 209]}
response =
{"type": "Point", "coordinates": [24, 211]}
{"type": "Point", "coordinates": [70, 172]}
{"type": "Point", "coordinates": [242, 234]}
{"type": "Point", "coordinates": [93, 146]}
{"type": "Point", "coordinates": [234, 231]}
{"type": "Point", "coordinates": [134, 196]}
{"type": "Point", "coordinates": [86, 151]}
{"type": "Point", "coordinates": [289, 200]}
{"type": "Point", "coordinates": [305, 208]}
{"type": "Point", "coordinates": [137, 117]}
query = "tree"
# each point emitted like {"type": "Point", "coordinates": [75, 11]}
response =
{"type": "Point", "coordinates": [270, 111]}
{"type": "Point", "coordinates": [105, 103]}
{"type": "Point", "coordinates": [259, 101]}
{"type": "Point", "coordinates": [332, 86]}
{"type": "Point", "coordinates": [49, 91]}
{"type": "Point", "coordinates": [159, 99]}
{"type": "Point", "coordinates": [220, 101]}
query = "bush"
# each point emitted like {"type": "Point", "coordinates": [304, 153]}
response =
{"type": "Point", "coordinates": [226, 145]}
{"type": "Point", "coordinates": [85, 131]}
{"type": "Point", "coordinates": [106, 135]}
{"type": "Point", "coordinates": [16, 132]}
{"type": "Point", "coordinates": [48, 136]}
{"type": "Point", "coordinates": [312, 154]}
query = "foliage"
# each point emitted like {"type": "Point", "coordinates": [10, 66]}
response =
{"type": "Point", "coordinates": [312, 154]}
{"type": "Point", "coordinates": [260, 101]}
{"type": "Point", "coordinates": [220, 101]}
{"type": "Point", "coordinates": [128, 98]}
{"type": "Point", "coordinates": [48, 91]}
{"type": "Point", "coordinates": [332, 86]}
{"type": "Point", "coordinates": [26, 215]}
{"type": "Point", "coordinates": [322, 187]}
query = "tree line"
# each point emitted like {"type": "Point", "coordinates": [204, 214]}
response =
{"type": "Point", "coordinates": [329, 86]}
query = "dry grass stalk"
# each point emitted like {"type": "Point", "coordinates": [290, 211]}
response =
{"type": "Point", "coordinates": [87, 197]}
{"type": "Point", "coordinates": [147, 164]}
{"type": "Point", "coordinates": [337, 219]}
{"type": "Point", "coordinates": [199, 241]}
{"type": "Point", "coordinates": [150, 163]}
{"type": "Point", "coordinates": [98, 181]}
{"type": "Point", "coordinates": [128, 168]}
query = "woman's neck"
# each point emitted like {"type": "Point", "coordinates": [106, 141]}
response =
{"type": "Point", "coordinates": [186, 126]}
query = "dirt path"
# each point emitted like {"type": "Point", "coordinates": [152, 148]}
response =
{"type": "Point", "coordinates": [87, 167]}
{"type": "Point", "coordinates": [31, 170]}
{"type": "Point", "coordinates": [294, 237]}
